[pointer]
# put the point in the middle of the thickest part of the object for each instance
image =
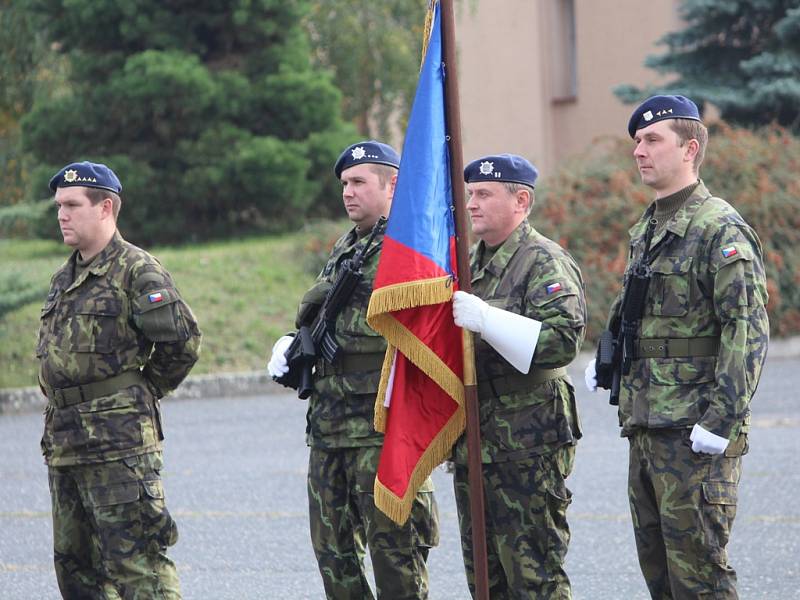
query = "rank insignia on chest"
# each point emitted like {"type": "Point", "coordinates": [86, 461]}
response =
{"type": "Point", "coordinates": [729, 251]}
{"type": "Point", "coordinates": [157, 297]}
{"type": "Point", "coordinates": [553, 288]}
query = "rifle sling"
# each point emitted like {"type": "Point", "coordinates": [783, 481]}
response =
{"type": "Point", "coordinates": [676, 347]}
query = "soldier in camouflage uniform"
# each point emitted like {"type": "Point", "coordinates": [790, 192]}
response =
{"type": "Point", "coordinates": [529, 309]}
{"type": "Point", "coordinates": [115, 337]}
{"type": "Point", "coordinates": [344, 445]}
{"type": "Point", "coordinates": [697, 358]}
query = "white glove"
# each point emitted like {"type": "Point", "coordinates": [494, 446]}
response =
{"type": "Point", "coordinates": [705, 441]}
{"type": "Point", "coordinates": [277, 366]}
{"type": "Point", "coordinates": [469, 311]}
{"type": "Point", "coordinates": [512, 335]}
{"type": "Point", "coordinates": [590, 376]}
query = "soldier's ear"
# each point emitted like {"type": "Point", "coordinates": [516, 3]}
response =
{"type": "Point", "coordinates": [692, 147]}
{"type": "Point", "coordinates": [524, 199]}
{"type": "Point", "coordinates": [107, 208]}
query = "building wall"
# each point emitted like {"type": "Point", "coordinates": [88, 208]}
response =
{"type": "Point", "coordinates": [517, 93]}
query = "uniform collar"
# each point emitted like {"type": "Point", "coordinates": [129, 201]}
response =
{"type": "Point", "coordinates": [100, 264]}
{"type": "Point", "coordinates": [680, 221]}
{"type": "Point", "coordinates": [504, 253]}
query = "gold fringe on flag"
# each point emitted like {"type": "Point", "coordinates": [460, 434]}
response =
{"type": "Point", "coordinates": [397, 508]}
{"type": "Point", "coordinates": [382, 303]}
{"type": "Point", "coordinates": [398, 297]}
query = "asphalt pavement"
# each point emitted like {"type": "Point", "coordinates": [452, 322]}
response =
{"type": "Point", "coordinates": [235, 481]}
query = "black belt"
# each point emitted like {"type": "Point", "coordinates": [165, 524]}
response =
{"type": "Point", "coordinates": [509, 384]}
{"type": "Point", "coordinates": [676, 347]}
{"type": "Point", "coordinates": [63, 397]}
{"type": "Point", "coordinates": [348, 364]}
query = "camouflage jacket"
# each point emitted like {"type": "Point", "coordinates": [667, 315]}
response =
{"type": "Point", "coordinates": [707, 281]}
{"type": "Point", "coordinates": [342, 405]}
{"type": "Point", "coordinates": [122, 314]}
{"type": "Point", "coordinates": [532, 276]}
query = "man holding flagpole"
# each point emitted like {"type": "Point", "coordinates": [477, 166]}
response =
{"type": "Point", "coordinates": [345, 447]}
{"type": "Point", "coordinates": [529, 310]}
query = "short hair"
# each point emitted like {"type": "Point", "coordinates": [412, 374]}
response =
{"type": "Point", "coordinates": [97, 195]}
{"type": "Point", "coordinates": [384, 173]}
{"type": "Point", "coordinates": [513, 188]}
{"type": "Point", "coordinates": [689, 129]}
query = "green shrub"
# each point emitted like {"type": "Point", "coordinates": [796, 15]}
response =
{"type": "Point", "coordinates": [28, 220]}
{"type": "Point", "coordinates": [589, 205]}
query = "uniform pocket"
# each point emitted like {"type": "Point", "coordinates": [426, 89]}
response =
{"type": "Point", "coordinates": [689, 370]}
{"type": "Point", "coordinates": [669, 287]}
{"type": "Point", "coordinates": [93, 327]}
{"type": "Point", "coordinates": [527, 428]}
{"type": "Point", "coordinates": [44, 328]}
{"type": "Point", "coordinates": [720, 492]}
{"type": "Point", "coordinates": [112, 423]}
{"type": "Point", "coordinates": [158, 316]}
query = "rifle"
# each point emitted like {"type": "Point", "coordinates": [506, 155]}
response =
{"type": "Point", "coordinates": [616, 348]}
{"type": "Point", "coordinates": [317, 334]}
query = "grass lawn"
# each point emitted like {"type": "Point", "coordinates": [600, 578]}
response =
{"type": "Point", "coordinates": [243, 292]}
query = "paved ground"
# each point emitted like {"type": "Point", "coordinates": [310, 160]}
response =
{"type": "Point", "coordinates": [235, 480]}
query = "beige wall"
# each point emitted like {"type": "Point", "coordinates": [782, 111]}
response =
{"type": "Point", "coordinates": [507, 51]}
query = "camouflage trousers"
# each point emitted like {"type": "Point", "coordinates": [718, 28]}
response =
{"type": "Point", "coordinates": [111, 530]}
{"type": "Point", "coordinates": [683, 505]}
{"type": "Point", "coordinates": [344, 521]}
{"type": "Point", "coordinates": [526, 525]}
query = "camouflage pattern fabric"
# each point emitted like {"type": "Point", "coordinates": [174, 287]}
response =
{"type": "Point", "coordinates": [708, 281]}
{"type": "Point", "coordinates": [531, 428]}
{"type": "Point", "coordinates": [344, 520]}
{"type": "Point", "coordinates": [122, 313]}
{"type": "Point", "coordinates": [111, 530]}
{"type": "Point", "coordinates": [526, 525]}
{"type": "Point", "coordinates": [342, 406]}
{"type": "Point", "coordinates": [683, 506]}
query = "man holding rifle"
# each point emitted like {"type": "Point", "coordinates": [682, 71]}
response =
{"type": "Point", "coordinates": [682, 357]}
{"type": "Point", "coordinates": [339, 424]}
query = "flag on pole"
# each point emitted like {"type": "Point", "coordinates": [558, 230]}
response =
{"type": "Point", "coordinates": [420, 403]}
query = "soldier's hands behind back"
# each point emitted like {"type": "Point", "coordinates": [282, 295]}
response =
{"type": "Point", "coordinates": [590, 376]}
{"type": "Point", "coordinates": [469, 311]}
{"type": "Point", "coordinates": [705, 441]}
{"type": "Point", "coordinates": [277, 365]}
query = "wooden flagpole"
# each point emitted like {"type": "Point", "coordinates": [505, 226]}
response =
{"type": "Point", "coordinates": [453, 119]}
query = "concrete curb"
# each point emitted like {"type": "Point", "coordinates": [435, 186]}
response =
{"type": "Point", "coordinates": [227, 385]}
{"type": "Point", "coordinates": [221, 385]}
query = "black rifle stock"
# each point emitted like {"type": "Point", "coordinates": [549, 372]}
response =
{"type": "Point", "coordinates": [616, 349]}
{"type": "Point", "coordinates": [316, 336]}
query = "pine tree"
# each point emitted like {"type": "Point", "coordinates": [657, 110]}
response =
{"type": "Point", "coordinates": [742, 56]}
{"type": "Point", "coordinates": [210, 112]}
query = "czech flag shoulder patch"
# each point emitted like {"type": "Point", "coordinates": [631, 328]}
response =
{"type": "Point", "coordinates": [729, 251]}
{"type": "Point", "coordinates": [553, 288]}
{"type": "Point", "coordinates": [155, 297]}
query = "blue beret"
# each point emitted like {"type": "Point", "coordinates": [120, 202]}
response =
{"type": "Point", "coordinates": [86, 174]}
{"type": "Point", "coordinates": [658, 108]}
{"type": "Point", "coordinates": [368, 151]}
{"type": "Point", "coordinates": [501, 167]}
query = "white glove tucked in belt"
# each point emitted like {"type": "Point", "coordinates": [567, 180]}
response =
{"type": "Point", "coordinates": [512, 335]}
{"type": "Point", "coordinates": [705, 441]}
